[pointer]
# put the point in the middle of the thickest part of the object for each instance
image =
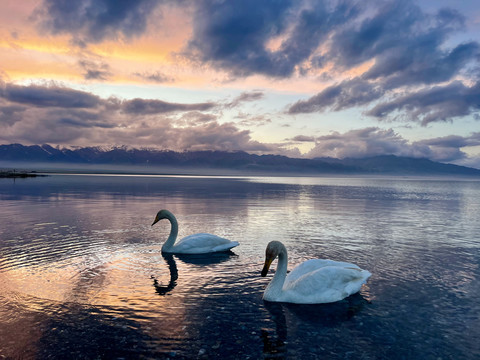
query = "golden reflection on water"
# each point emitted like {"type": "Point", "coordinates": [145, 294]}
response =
{"type": "Point", "coordinates": [89, 257]}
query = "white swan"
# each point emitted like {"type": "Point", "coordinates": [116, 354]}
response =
{"type": "Point", "coordinates": [193, 244]}
{"type": "Point", "coordinates": [314, 281]}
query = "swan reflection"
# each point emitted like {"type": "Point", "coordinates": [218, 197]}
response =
{"type": "Point", "coordinates": [192, 259]}
{"type": "Point", "coordinates": [172, 267]}
{"type": "Point", "coordinates": [274, 341]}
{"type": "Point", "coordinates": [206, 259]}
{"type": "Point", "coordinates": [326, 315]}
{"type": "Point", "coordinates": [330, 314]}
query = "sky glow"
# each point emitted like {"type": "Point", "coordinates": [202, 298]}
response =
{"type": "Point", "coordinates": [298, 78]}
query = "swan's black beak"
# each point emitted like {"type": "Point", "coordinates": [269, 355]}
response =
{"type": "Point", "coordinates": [157, 219]}
{"type": "Point", "coordinates": [266, 267]}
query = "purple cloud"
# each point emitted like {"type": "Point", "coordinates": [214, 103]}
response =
{"type": "Point", "coordinates": [438, 103]}
{"type": "Point", "coordinates": [48, 96]}
{"type": "Point", "coordinates": [148, 107]}
{"type": "Point", "coordinates": [95, 71]}
{"type": "Point", "coordinates": [95, 20]}
{"type": "Point", "coordinates": [246, 97]}
{"type": "Point", "coordinates": [235, 34]}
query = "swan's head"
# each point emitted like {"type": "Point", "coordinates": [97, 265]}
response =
{"type": "Point", "coordinates": [274, 248]}
{"type": "Point", "coordinates": [162, 214]}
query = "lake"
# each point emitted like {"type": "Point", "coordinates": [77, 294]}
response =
{"type": "Point", "coordinates": [82, 275]}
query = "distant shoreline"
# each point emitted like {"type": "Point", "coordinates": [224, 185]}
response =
{"type": "Point", "coordinates": [14, 174]}
{"type": "Point", "coordinates": [219, 174]}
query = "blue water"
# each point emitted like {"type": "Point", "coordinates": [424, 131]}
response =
{"type": "Point", "coordinates": [82, 275]}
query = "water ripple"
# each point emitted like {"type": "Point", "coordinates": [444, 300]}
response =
{"type": "Point", "coordinates": [82, 274]}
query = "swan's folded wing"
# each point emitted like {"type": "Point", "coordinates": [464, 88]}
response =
{"type": "Point", "coordinates": [226, 246]}
{"type": "Point", "coordinates": [325, 284]}
{"type": "Point", "coordinates": [203, 243]}
{"type": "Point", "coordinates": [315, 264]}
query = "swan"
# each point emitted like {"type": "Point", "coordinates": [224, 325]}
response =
{"type": "Point", "coordinates": [193, 244]}
{"type": "Point", "coordinates": [314, 281]}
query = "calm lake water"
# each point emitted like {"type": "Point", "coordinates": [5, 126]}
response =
{"type": "Point", "coordinates": [82, 275]}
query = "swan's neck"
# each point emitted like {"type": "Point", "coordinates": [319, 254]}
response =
{"type": "Point", "coordinates": [173, 233]}
{"type": "Point", "coordinates": [274, 289]}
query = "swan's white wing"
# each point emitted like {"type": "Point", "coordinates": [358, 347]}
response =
{"type": "Point", "coordinates": [202, 243]}
{"type": "Point", "coordinates": [326, 283]}
{"type": "Point", "coordinates": [315, 264]}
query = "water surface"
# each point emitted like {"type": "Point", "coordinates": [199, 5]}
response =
{"type": "Point", "coordinates": [82, 275]}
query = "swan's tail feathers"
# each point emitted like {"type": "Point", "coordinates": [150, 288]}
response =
{"type": "Point", "coordinates": [225, 247]}
{"type": "Point", "coordinates": [365, 275]}
{"type": "Point", "coordinates": [356, 282]}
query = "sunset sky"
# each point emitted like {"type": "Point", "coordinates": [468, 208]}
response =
{"type": "Point", "coordinates": [298, 78]}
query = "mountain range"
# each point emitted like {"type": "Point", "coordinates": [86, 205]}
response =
{"type": "Point", "coordinates": [237, 162]}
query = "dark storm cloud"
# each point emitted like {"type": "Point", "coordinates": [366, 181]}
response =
{"type": "Point", "coordinates": [79, 118]}
{"type": "Point", "coordinates": [410, 54]}
{"type": "Point", "coordinates": [427, 68]}
{"type": "Point", "coordinates": [438, 103]}
{"type": "Point", "coordinates": [344, 95]}
{"type": "Point", "coordinates": [48, 96]}
{"type": "Point", "coordinates": [149, 107]}
{"type": "Point", "coordinates": [65, 98]}
{"type": "Point", "coordinates": [394, 26]}
{"type": "Point", "coordinates": [454, 141]}
{"type": "Point", "coordinates": [96, 20]}
{"type": "Point", "coordinates": [235, 35]}
{"type": "Point", "coordinates": [83, 124]}
{"type": "Point", "coordinates": [10, 114]}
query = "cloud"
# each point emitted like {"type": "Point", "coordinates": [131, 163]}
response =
{"type": "Point", "coordinates": [246, 97]}
{"type": "Point", "coordinates": [94, 70]}
{"type": "Point", "coordinates": [84, 124]}
{"type": "Point", "coordinates": [249, 120]}
{"type": "Point", "coordinates": [10, 114]}
{"type": "Point", "coordinates": [237, 35]}
{"type": "Point", "coordinates": [156, 77]}
{"type": "Point", "coordinates": [410, 56]}
{"type": "Point", "coordinates": [303, 138]}
{"type": "Point", "coordinates": [359, 143]}
{"type": "Point", "coordinates": [438, 103]}
{"type": "Point", "coordinates": [95, 20]}
{"type": "Point", "coordinates": [57, 115]}
{"type": "Point", "coordinates": [214, 136]}
{"type": "Point", "coordinates": [424, 105]}
{"type": "Point", "coordinates": [347, 94]}
{"type": "Point", "coordinates": [449, 148]}
{"type": "Point", "coordinates": [397, 34]}
{"type": "Point", "coordinates": [48, 96]}
{"type": "Point", "coordinates": [194, 118]}
{"type": "Point", "coordinates": [373, 141]}
{"type": "Point", "coordinates": [454, 141]}
{"type": "Point", "coordinates": [149, 107]}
